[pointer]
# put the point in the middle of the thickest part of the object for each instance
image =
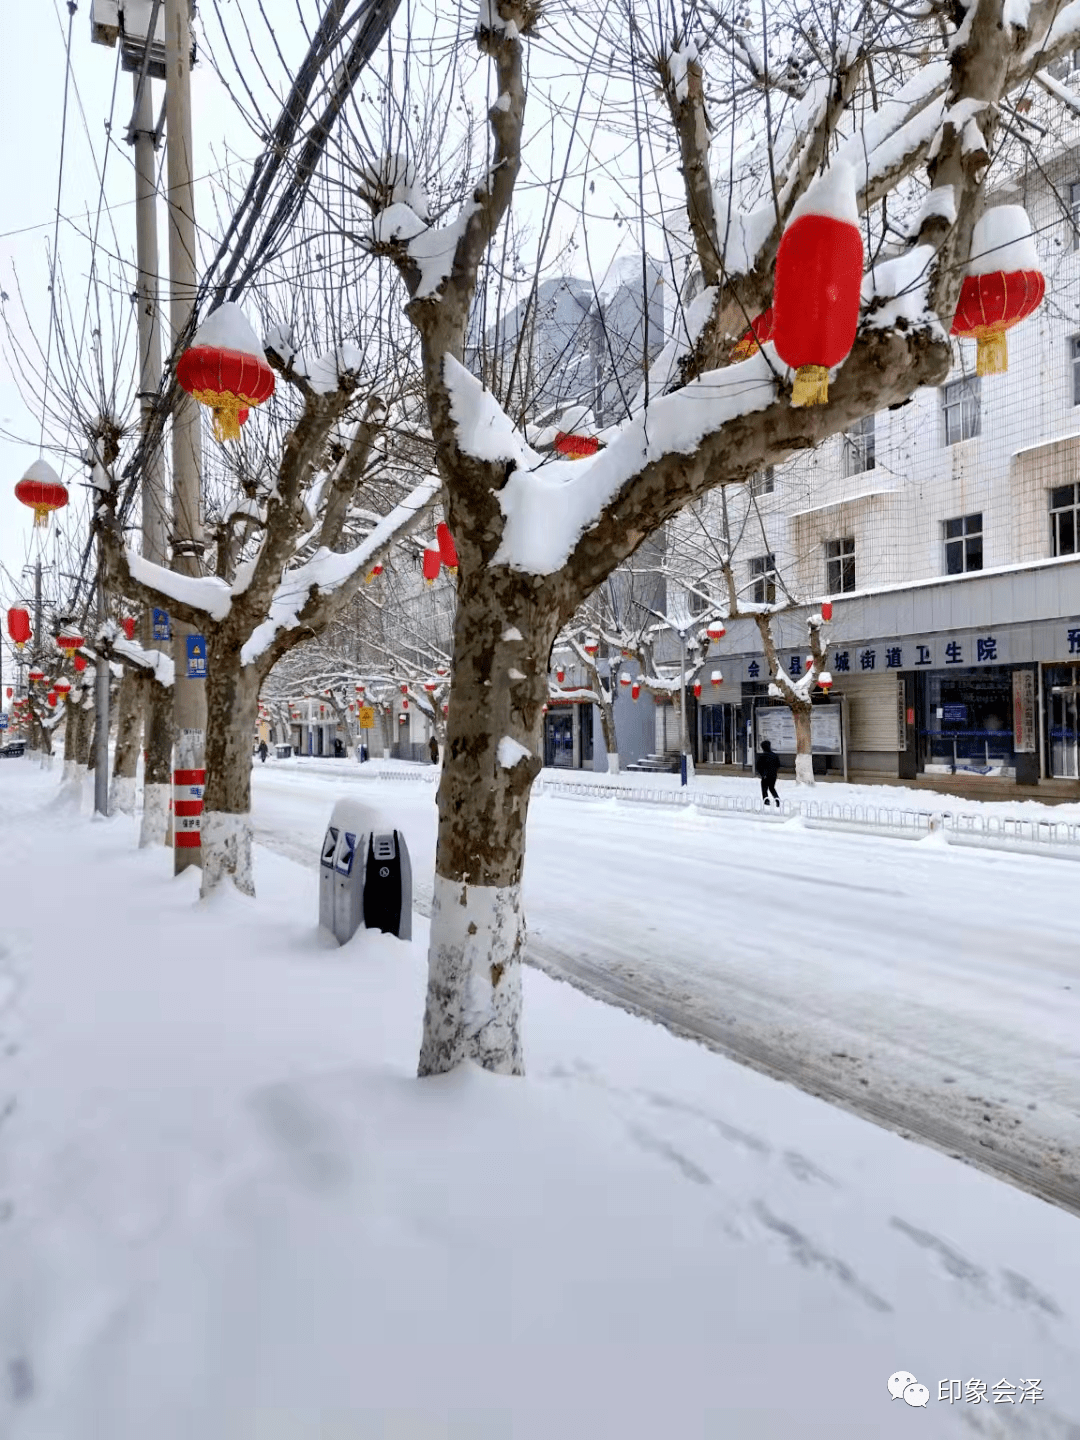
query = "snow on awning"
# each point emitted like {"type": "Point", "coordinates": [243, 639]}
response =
{"type": "Point", "coordinates": [845, 500]}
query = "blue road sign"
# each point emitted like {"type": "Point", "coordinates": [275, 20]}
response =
{"type": "Point", "coordinates": [162, 629]}
{"type": "Point", "coordinates": [196, 657]}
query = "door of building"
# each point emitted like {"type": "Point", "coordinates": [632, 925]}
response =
{"type": "Point", "coordinates": [1064, 717]}
{"type": "Point", "coordinates": [559, 740]}
{"type": "Point", "coordinates": [713, 749]}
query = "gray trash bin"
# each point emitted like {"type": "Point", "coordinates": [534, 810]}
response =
{"type": "Point", "coordinates": [326, 877]}
{"type": "Point", "coordinates": [365, 875]}
{"type": "Point", "coordinates": [284, 752]}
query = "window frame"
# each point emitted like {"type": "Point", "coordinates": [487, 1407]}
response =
{"type": "Point", "coordinates": [1069, 508]}
{"type": "Point", "coordinates": [1074, 212]}
{"type": "Point", "coordinates": [961, 542]}
{"type": "Point", "coordinates": [961, 400]}
{"type": "Point", "coordinates": [859, 446]}
{"type": "Point", "coordinates": [763, 482]}
{"type": "Point", "coordinates": [840, 553]}
{"type": "Point", "coordinates": [763, 579]}
{"type": "Point", "coordinates": [1074, 360]}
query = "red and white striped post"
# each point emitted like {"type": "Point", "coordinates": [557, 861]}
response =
{"type": "Point", "coordinates": [188, 787]}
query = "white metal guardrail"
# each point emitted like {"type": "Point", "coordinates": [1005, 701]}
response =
{"type": "Point", "coordinates": [1039, 836]}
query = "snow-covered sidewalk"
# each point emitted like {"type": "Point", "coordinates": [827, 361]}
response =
{"type": "Point", "coordinates": [229, 1210]}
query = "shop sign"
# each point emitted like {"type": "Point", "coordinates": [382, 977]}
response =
{"type": "Point", "coordinates": [1024, 711]}
{"type": "Point", "coordinates": [366, 717]}
{"type": "Point", "coordinates": [936, 652]}
{"type": "Point", "coordinates": [776, 724]}
{"type": "Point", "coordinates": [901, 713]}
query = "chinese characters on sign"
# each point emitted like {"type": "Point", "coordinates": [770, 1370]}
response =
{"type": "Point", "coordinates": [196, 657]}
{"type": "Point", "coordinates": [1073, 637]}
{"type": "Point", "coordinates": [866, 659]}
{"type": "Point", "coordinates": [1023, 686]}
{"type": "Point", "coordinates": [162, 629]}
{"type": "Point", "coordinates": [794, 667]}
{"type": "Point", "coordinates": [753, 669]}
{"type": "Point", "coordinates": [894, 657]}
{"type": "Point", "coordinates": [1003, 1393]}
{"type": "Point", "coordinates": [841, 661]}
{"type": "Point", "coordinates": [922, 654]}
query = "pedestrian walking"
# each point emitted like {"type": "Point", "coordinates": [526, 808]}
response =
{"type": "Point", "coordinates": [433, 750]}
{"type": "Point", "coordinates": [768, 767]}
{"type": "Point", "coordinates": [264, 750]}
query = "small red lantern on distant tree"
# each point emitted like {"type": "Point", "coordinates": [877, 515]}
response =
{"type": "Point", "coordinates": [18, 622]}
{"type": "Point", "coordinates": [560, 674]}
{"type": "Point", "coordinates": [51, 698]}
{"type": "Point", "coordinates": [759, 332]}
{"type": "Point", "coordinates": [697, 689]}
{"type": "Point", "coordinates": [819, 266]}
{"type": "Point", "coordinates": [441, 670]}
{"type": "Point", "coordinates": [225, 369]}
{"type": "Point", "coordinates": [402, 719]}
{"type": "Point", "coordinates": [62, 687]}
{"type": "Point", "coordinates": [404, 688]}
{"type": "Point", "coordinates": [576, 447]}
{"type": "Point", "coordinates": [825, 681]}
{"type": "Point", "coordinates": [809, 662]}
{"type": "Point", "coordinates": [447, 548]}
{"type": "Point", "coordinates": [826, 610]}
{"type": "Point", "coordinates": [35, 675]}
{"type": "Point", "coordinates": [70, 643]}
{"type": "Point", "coordinates": [431, 686]}
{"type": "Point", "coordinates": [375, 570]}
{"type": "Point", "coordinates": [635, 690]}
{"type": "Point", "coordinates": [432, 565]}
{"type": "Point", "coordinates": [40, 488]}
{"type": "Point", "coordinates": [128, 623]}
{"type": "Point", "coordinates": [1003, 285]}
{"type": "Point", "coordinates": [446, 709]}
{"type": "Point", "coordinates": [716, 630]}
{"type": "Point", "coordinates": [591, 646]}
{"type": "Point", "coordinates": [79, 662]}
{"type": "Point", "coordinates": [716, 679]}
{"type": "Point", "coordinates": [404, 704]}
{"type": "Point", "coordinates": [624, 680]}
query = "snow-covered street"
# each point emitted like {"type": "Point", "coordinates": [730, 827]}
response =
{"type": "Point", "coordinates": [228, 1209]}
{"type": "Point", "coordinates": [934, 988]}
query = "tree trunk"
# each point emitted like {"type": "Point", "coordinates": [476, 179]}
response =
{"type": "Point", "coordinates": [128, 733]}
{"type": "Point", "coordinates": [157, 764]}
{"type": "Point", "coordinates": [607, 727]}
{"type": "Point", "coordinates": [232, 697]}
{"type": "Point", "coordinates": [804, 760]}
{"type": "Point", "coordinates": [491, 759]}
{"type": "Point", "coordinates": [84, 735]}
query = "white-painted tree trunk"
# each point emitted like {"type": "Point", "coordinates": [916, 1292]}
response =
{"type": "Point", "coordinates": [474, 1006]}
{"type": "Point", "coordinates": [226, 851]}
{"type": "Point", "coordinates": [155, 815]}
{"type": "Point", "coordinates": [804, 769]}
{"type": "Point", "coordinates": [122, 794]}
{"type": "Point", "coordinates": [612, 764]}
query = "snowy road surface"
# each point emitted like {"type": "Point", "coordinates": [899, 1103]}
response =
{"type": "Point", "coordinates": [933, 989]}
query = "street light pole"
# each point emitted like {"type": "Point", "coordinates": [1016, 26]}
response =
{"type": "Point", "coordinates": [682, 708]}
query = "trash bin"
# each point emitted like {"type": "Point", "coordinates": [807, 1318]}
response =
{"type": "Point", "coordinates": [388, 885]}
{"type": "Point", "coordinates": [365, 875]}
{"type": "Point", "coordinates": [326, 878]}
{"type": "Point", "coordinates": [284, 751]}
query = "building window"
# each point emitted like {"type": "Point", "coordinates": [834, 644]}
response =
{"type": "Point", "coordinates": [763, 482]}
{"type": "Point", "coordinates": [840, 566]}
{"type": "Point", "coordinates": [858, 443]}
{"type": "Point", "coordinates": [963, 544]}
{"type": "Point", "coordinates": [1074, 213]}
{"type": "Point", "coordinates": [763, 574]}
{"type": "Point", "coordinates": [960, 401]}
{"type": "Point", "coordinates": [696, 603]}
{"type": "Point", "coordinates": [1065, 520]}
{"type": "Point", "coordinates": [1074, 351]}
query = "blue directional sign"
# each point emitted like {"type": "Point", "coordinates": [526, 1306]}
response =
{"type": "Point", "coordinates": [162, 628]}
{"type": "Point", "coordinates": [3, 722]}
{"type": "Point", "coordinates": [196, 657]}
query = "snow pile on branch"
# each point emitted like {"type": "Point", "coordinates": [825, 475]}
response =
{"type": "Point", "coordinates": [111, 638]}
{"type": "Point", "coordinates": [899, 290]}
{"type": "Point", "coordinates": [227, 328]}
{"type": "Point", "coordinates": [488, 18]}
{"type": "Point", "coordinates": [279, 339]}
{"type": "Point", "coordinates": [326, 372]}
{"type": "Point", "coordinates": [434, 250]}
{"type": "Point", "coordinates": [832, 194]}
{"type": "Point", "coordinates": [549, 506]}
{"type": "Point", "coordinates": [1003, 240]}
{"type": "Point", "coordinates": [741, 235]}
{"type": "Point", "coordinates": [679, 62]}
{"type": "Point", "coordinates": [200, 592]}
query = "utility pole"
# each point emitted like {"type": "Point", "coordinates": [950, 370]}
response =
{"type": "Point", "coordinates": [101, 707]}
{"type": "Point", "coordinates": [190, 695]}
{"type": "Point", "coordinates": [158, 713]}
{"type": "Point", "coordinates": [682, 707]}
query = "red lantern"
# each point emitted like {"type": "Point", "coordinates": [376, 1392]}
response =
{"type": "Point", "coordinates": [51, 698]}
{"type": "Point", "coordinates": [18, 623]}
{"type": "Point", "coordinates": [576, 447]}
{"type": "Point", "coordinates": [624, 679]}
{"type": "Point", "coordinates": [446, 709]}
{"type": "Point", "coordinates": [441, 670]}
{"type": "Point", "coordinates": [402, 719]}
{"type": "Point", "coordinates": [10, 692]}
{"type": "Point", "coordinates": [826, 610]}
{"type": "Point", "coordinates": [591, 646]}
{"type": "Point", "coordinates": [375, 570]}
{"type": "Point", "coordinates": [759, 333]}
{"type": "Point", "coordinates": [431, 686]}
{"type": "Point", "coordinates": [79, 662]}
{"type": "Point", "coordinates": [432, 565]}
{"type": "Point", "coordinates": [40, 488]}
{"type": "Point", "coordinates": [819, 267]}
{"type": "Point", "coordinates": [61, 686]}
{"type": "Point", "coordinates": [825, 681]}
{"type": "Point", "coordinates": [404, 689]}
{"type": "Point", "coordinates": [717, 630]}
{"type": "Point", "coordinates": [697, 689]}
{"type": "Point", "coordinates": [225, 370]}
{"type": "Point", "coordinates": [35, 675]}
{"type": "Point", "coordinates": [1003, 286]}
{"type": "Point", "coordinates": [128, 623]}
{"type": "Point", "coordinates": [716, 679]}
{"type": "Point", "coordinates": [809, 661]}
{"type": "Point", "coordinates": [635, 690]}
{"type": "Point", "coordinates": [447, 549]}
{"type": "Point", "coordinates": [359, 689]}
{"type": "Point", "coordinates": [560, 674]}
{"type": "Point", "coordinates": [70, 643]}
{"type": "Point", "coordinates": [404, 704]}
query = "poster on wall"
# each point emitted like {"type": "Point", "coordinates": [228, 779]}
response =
{"type": "Point", "coordinates": [1023, 682]}
{"type": "Point", "coordinates": [776, 724]}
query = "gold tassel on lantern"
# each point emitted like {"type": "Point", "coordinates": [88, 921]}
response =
{"type": "Point", "coordinates": [811, 386]}
{"type": "Point", "coordinates": [991, 353]}
{"type": "Point", "coordinates": [226, 410]}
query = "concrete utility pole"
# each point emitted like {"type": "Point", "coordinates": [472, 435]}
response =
{"type": "Point", "coordinates": [190, 696]}
{"type": "Point", "coordinates": [101, 709]}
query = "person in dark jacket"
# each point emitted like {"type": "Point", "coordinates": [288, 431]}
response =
{"type": "Point", "coordinates": [433, 750]}
{"type": "Point", "coordinates": [264, 750]}
{"type": "Point", "coordinates": [768, 767]}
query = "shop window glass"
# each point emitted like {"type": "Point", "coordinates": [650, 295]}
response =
{"type": "Point", "coordinates": [858, 443]}
{"type": "Point", "coordinates": [840, 566]}
{"type": "Point", "coordinates": [961, 402]}
{"type": "Point", "coordinates": [1064, 519]}
{"type": "Point", "coordinates": [963, 544]}
{"type": "Point", "coordinates": [763, 575]}
{"type": "Point", "coordinates": [969, 721]}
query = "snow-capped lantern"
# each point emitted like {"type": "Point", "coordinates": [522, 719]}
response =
{"type": "Point", "coordinates": [35, 675]}
{"type": "Point", "coordinates": [560, 673]}
{"type": "Point", "coordinates": [51, 699]}
{"type": "Point", "coordinates": [625, 681]}
{"type": "Point", "coordinates": [825, 681]}
{"type": "Point", "coordinates": [432, 566]}
{"type": "Point", "coordinates": [697, 689]}
{"type": "Point", "coordinates": [591, 645]}
{"type": "Point", "coordinates": [809, 662]}
{"type": "Point", "coordinates": [359, 688]}
{"type": "Point", "coordinates": [375, 571]}
{"type": "Point", "coordinates": [635, 690]}
{"type": "Point", "coordinates": [431, 686]}
{"type": "Point", "coordinates": [41, 490]}
{"type": "Point", "coordinates": [62, 687]}
{"type": "Point", "coordinates": [224, 369]}
{"type": "Point", "coordinates": [628, 654]}
{"type": "Point", "coordinates": [1003, 285]}
{"type": "Point", "coordinates": [716, 630]}
{"type": "Point", "coordinates": [441, 670]}
{"type": "Point", "coordinates": [18, 624]}
{"type": "Point", "coordinates": [404, 688]}
{"type": "Point", "coordinates": [758, 333]}
{"type": "Point", "coordinates": [70, 643]}
{"type": "Point", "coordinates": [826, 610]}
{"type": "Point", "coordinates": [576, 447]}
{"type": "Point", "coordinates": [447, 548]}
{"type": "Point", "coordinates": [403, 719]}
{"type": "Point", "coordinates": [819, 266]}
{"type": "Point", "coordinates": [716, 679]}
{"type": "Point", "coordinates": [404, 704]}
{"type": "Point", "coordinates": [128, 624]}
{"type": "Point", "coordinates": [80, 663]}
